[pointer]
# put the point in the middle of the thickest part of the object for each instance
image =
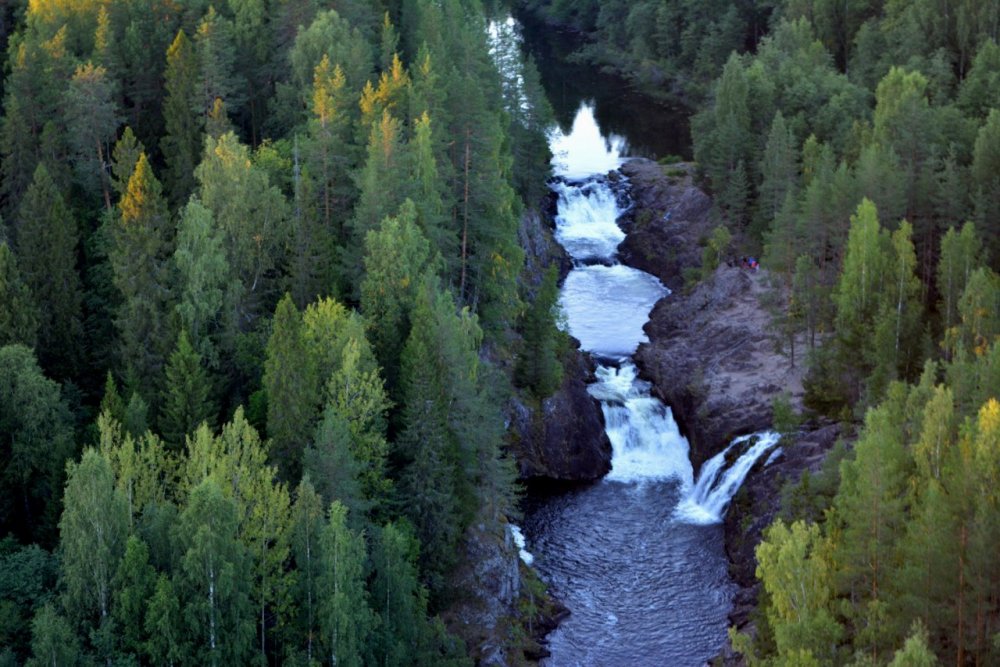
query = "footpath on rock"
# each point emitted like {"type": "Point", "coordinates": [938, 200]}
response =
{"type": "Point", "coordinates": [714, 355]}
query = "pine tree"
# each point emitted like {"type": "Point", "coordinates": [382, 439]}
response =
{"type": "Point", "coordinates": [18, 314]}
{"type": "Point", "coordinates": [47, 247]}
{"type": "Point", "coordinates": [186, 398]}
{"type": "Point", "coordinates": [381, 189]}
{"type": "Point", "coordinates": [328, 155]}
{"type": "Point", "coordinates": [181, 145]}
{"type": "Point", "coordinates": [92, 121]}
{"type": "Point", "coordinates": [779, 171]}
{"type": "Point", "coordinates": [216, 56]}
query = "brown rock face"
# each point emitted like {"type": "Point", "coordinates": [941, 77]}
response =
{"type": "Point", "coordinates": [712, 357]}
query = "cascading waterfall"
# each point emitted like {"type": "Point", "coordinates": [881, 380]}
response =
{"type": "Point", "coordinates": [646, 582]}
{"type": "Point", "coordinates": [646, 443]}
{"type": "Point", "coordinates": [720, 478]}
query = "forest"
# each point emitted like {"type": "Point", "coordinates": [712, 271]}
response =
{"type": "Point", "coordinates": [856, 145]}
{"type": "Point", "coordinates": [261, 302]}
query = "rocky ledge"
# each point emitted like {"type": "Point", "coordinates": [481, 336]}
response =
{"type": "Point", "coordinates": [667, 222]}
{"type": "Point", "coordinates": [715, 358]}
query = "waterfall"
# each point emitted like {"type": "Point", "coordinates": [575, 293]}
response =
{"type": "Point", "coordinates": [646, 443]}
{"type": "Point", "coordinates": [720, 478]}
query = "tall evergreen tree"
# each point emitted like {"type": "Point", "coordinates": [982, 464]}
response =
{"type": "Point", "coordinates": [47, 248]}
{"type": "Point", "coordinates": [19, 316]}
{"type": "Point", "coordinates": [181, 145]}
{"type": "Point", "coordinates": [289, 380]}
{"type": "Point", "coordinates": [142, 244]}
{"type": "Point", "coordinates": [92, 121]}
{"type": "Point", "coordinates": [187, 394]}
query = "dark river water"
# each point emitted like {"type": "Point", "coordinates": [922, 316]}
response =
{"type": "Point", "coordinates": [653, 129]}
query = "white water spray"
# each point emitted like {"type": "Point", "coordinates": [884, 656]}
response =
{"type": "Point", "coordinates": [646, 443]}
{"type": "Point", "coordinates": [706, 502]}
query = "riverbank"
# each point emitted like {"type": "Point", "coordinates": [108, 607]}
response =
{"type": "Point", "coordinates": [714, 356]}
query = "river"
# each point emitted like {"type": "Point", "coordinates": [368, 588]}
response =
{"type": "Point", "coordinates": [637, 557]}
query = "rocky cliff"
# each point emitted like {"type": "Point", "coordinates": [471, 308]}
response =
{"type": "Point", "coordinates": [563, 437]}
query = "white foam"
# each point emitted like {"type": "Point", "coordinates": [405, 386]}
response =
{"type": "Point", "coordinates": [707, 500]}
{"type": "Point", "coordinates": [586, 225]}
{"type": "Point", "coordinates": [519, 542]}
{"type": "Point", "coordinates": [645, 441]}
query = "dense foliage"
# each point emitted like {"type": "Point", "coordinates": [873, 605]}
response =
{"type": "Point", "coordinates": [252, 253]}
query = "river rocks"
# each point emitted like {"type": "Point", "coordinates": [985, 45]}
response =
{"type": "Point", "coordinates": [564, 440]}
{"type": "Point", "coordinates": [714, 358]}
{"type": "Point", "coordinates": [668, 221]}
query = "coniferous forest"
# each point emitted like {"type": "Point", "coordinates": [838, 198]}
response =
{"type": "Point", "coordinates": [260, 301]}
{"type": "Point", "coordinates": [855, 146]}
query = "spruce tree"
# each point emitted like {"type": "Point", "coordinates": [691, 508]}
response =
{"type": "Point", "coordinates": [539, 366]}
{"type": "Point", "coordinates": [186, 401]}
{"type": "Point", "coordinates": [142, 244]}
{"type": "Point", "coordinates": [290, 384]}
{"type": "Point", "coordinates": [47, 248]}
{"type": "Point", "coordinates": [19, 317]}
{"type": "Point", "coordinates": [181, 145]}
